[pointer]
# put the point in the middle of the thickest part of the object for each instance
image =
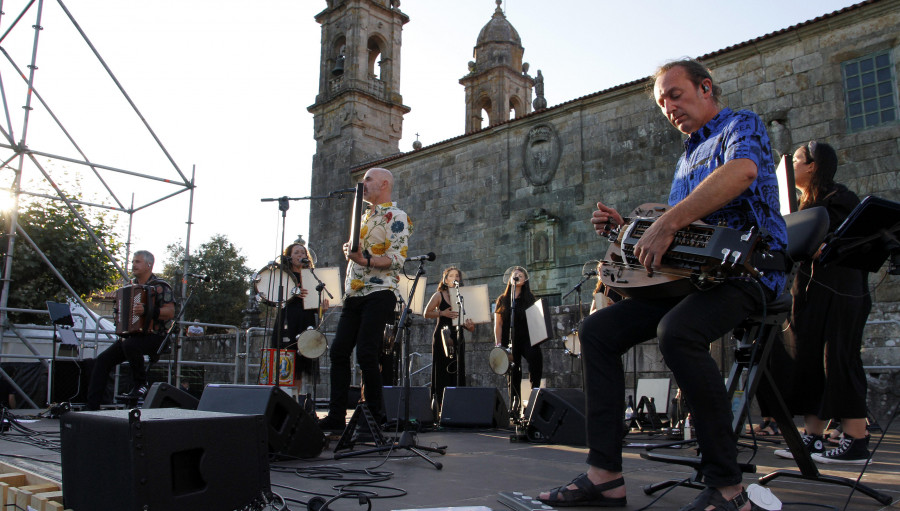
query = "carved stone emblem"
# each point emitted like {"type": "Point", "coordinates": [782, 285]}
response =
{"type": "Point", "coordinates": [541, 154]}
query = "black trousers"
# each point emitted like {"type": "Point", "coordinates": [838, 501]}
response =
{"type": "Point", "coordinates": [535, 358]}
{"type": "Point", "coordinates": [362, 326]}
{"type": "Point", "coordinates": [131, 348]}
{"type": "Point", "coordinates": [685, 328]}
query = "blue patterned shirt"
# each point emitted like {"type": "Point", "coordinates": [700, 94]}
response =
{"type": "Point", "coordinates": [729, 136]}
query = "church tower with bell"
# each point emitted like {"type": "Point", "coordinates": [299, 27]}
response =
{"type": "Point", "coordinates": [498, 84]}
{"type": "Point", "coordinates": [358, 113]}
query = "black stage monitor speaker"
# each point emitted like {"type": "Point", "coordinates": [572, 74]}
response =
{"type": "Point", "coordinates": [474, 407]}
{"type": "Point", "coordinates": [163, 395]}
{"type": "Point", "coordinates": [165, 458]}
{"type": "Point", "coordinates": [291, 430]}
{"type": "Point", "coordinates": [419, 404]}
{"type": "Point", "coordinates": [557, 416]}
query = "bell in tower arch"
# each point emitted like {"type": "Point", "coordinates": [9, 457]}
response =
{"type": "Point", "coordinates": [338, 69]}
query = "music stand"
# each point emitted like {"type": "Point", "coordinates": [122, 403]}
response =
{"type": "Point", "coordinates": [867, 237]}
{"type": "Point", "coordinates": [60, 315]}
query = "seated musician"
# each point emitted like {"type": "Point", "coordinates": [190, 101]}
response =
{"type": "Point", "coordinates": [726, 175]}
{"type": "Point", "coordinates": [133, 347]}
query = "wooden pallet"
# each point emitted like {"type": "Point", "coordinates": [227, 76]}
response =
{"type": "Point", "coordinates": [21, 489]}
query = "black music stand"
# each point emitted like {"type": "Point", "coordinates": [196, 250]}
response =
{"type": "Point", "coordinates": [867, 237]}
{"type": "Point", "coordinates": [60, 315]}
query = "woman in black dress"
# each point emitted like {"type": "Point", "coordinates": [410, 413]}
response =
{"type": "Point", "coordinates": [296, 319]}
{"type": "Point", "coordinates": [831, 305]}
{"type": "Point", "coordinates": [517, 287]}
{"type": "Point", "coordinates": [445, 371]}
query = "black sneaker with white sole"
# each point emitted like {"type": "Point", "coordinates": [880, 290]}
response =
{"type": "Point", "coordinates": [851, 451]}
{"type": "Point", "coordinates": [138, 392]}
{"type": "Point", "coordinates": [814, 444]}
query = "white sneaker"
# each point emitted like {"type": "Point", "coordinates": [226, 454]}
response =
{"type": "Point", "coordinates": [763, 498]}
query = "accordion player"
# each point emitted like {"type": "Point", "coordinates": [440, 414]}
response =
{"type": "Point", "coordinates": [128, 320]}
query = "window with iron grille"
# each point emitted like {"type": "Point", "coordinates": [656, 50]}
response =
{"type": "Point", "coordinates": [869, 91]}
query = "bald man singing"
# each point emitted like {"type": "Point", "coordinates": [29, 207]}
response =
{"type": "Point", "coordinates": [370, 296]}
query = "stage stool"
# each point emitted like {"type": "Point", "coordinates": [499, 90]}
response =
{"type": "Point", "coordinates": [806, 229]}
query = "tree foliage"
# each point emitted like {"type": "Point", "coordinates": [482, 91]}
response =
{"type": "Point", "coordinates": [222, 298]}
{"type": "Point", "coordinates": [61, 237]}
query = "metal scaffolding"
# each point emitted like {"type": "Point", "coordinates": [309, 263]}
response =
{"type": "Point", "coordinates": [16, 155]}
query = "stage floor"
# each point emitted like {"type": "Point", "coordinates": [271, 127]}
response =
{"type": "Point", "coordinates": [481, 463]}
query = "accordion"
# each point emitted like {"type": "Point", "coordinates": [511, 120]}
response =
{"type": "Point", "coordinates": [127, 321]}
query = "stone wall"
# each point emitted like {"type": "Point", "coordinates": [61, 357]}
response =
{"type": "Point", "coordinates": [478, 204]}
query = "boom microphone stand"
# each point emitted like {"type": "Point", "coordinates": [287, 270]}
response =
{"type": "Point", "coordinates": [283, 206]}
{"type": "Point", "coordinates": [577, 290]}
{"type": "Point", "coordinates": [407, 439]}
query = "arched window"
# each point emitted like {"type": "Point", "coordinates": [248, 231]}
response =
{"type": "Point", "coordinates": [483, 109]}
{"type": "Point", "coordinates": [337, 57]}
{"type": "Point", "coordinates": [515, 107]}
{"type": "Point", "coordinates": [374, 60]}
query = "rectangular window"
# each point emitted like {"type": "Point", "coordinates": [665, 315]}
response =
{"type": "Point", "coordinates": [869, 91]}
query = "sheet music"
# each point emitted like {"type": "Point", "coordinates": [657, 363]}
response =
{"type": "Point", "coordinates": [332, 279]}
{"type": "Point", "coordinates": [476, 303]}
{"type": "Point", "coordinates": [418, 301]}
{"type": "Point", "coordinates": [538, 331]}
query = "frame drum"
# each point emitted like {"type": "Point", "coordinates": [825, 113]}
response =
{"type": "Point", "coordinates": [311, 343]}
{"type": "Point", "coordinates": [500, 359]}
{"type": "Point", "coordinates": [266, 281]}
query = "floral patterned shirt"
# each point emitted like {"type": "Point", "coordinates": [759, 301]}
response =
{"type": "Point", "coordinates": [384, 233]}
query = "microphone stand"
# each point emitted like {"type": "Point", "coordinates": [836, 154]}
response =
{"type": "Point", "coordinates": [407, 439]}
{"type": "Point", "coordinates": [515, 399]}
{"type": "Point", "coordinates": [319, 288]}
{"type": "Point", "coordinates": [283, 206]}
{"type": "Point", "coordinates": [577, 288]}
{"type": "Point", "coordinates": [460, 340]}
{"type": "Point", "coordinates": [165, 342]}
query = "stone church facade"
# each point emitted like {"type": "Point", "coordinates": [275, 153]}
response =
{"type": "Point", "coordinates": [521, 191]}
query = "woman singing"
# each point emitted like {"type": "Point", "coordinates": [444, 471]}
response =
{"type": "Point", "coordinates": [295, 318]}
{"type": "Point", "coordinates": [445, 371]}
{"type": "Point", "coordinates": [518, 293]}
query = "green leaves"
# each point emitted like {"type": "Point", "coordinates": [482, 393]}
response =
{"type": "Point", "coordinates": [222, 298]}
{"type": "Point", "coordinates": [64, 240]}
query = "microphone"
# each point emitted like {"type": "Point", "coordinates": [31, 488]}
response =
{"type": "Point", "coordinates": [198, 276]}
{"type": "Point", "coordinates": [343, 190]}
{"type": "Point", "coordinates": [590, 273]}
{"type": "Point", "coordinates": [456, 283]}
{"type": "Point", "coordinates": [304, 260]}
{"type": "Point", "coordinates": [427, 257]}
{"type": "Point", "coordinates": [515, 279]}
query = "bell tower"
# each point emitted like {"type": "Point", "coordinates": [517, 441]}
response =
{"type": "Point", "coordinates": [358, 113]}
{"type": "Point", "coordinates": [498, 83]}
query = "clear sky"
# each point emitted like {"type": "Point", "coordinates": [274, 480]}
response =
{"type": "Point", "coordinates": [225, 85]}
